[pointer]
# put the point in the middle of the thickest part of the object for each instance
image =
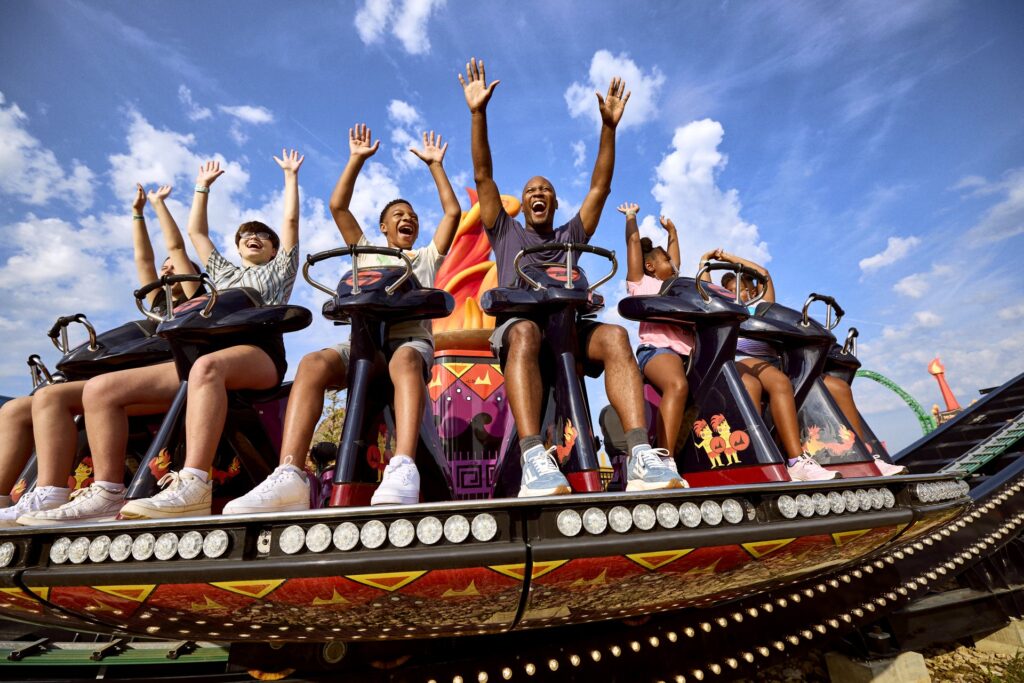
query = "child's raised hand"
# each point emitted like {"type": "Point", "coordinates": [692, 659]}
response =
{"type": "Point", "coordinates": [159, 194]}
{"type": "Point", "coordinates": [290, 161]}
{"type": "Point", "coordinates": [359, 142]}
{"type": "Point", "coordinates": [140, 199]}
{"type": "Point", "coordinates": [433, 151]}
{"type": "Point", "coordinates": [628, 208]}
{"type": "Point", "coordinates": [208, 172]}
{"type": "Point", "coordinates": [667, 224]}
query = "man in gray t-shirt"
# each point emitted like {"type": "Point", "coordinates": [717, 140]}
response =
{"type": "Point", "coordinates": [516, 341]}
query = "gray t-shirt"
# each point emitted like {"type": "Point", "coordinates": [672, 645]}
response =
{"type": "Point", "coordinates": [508, 237]}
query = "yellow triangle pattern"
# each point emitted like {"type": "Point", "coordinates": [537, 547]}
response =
{"type": "Point", "coordinates": [761, 548]}
{"type": "Point", "coordinates": [335, 599]}
{"type": "Point", "coordinates": [468, 590]}
{"type": "Point", "coordinates": [42, 591]}
{"type": "Point", "coordinates": [250, 589]}
{"type": "Point", "coordinates": [518, 571]}
{"type": "Point", "coordinates": [136, 593]}
{"type": "Point", "coordinates": [655, 560]}
{"type": "Point", "coordinates": [458, 369]}
{"type": "Point", "coordinates": [844, 537]}
{"type": "Point", "coordinates": [388, 581]}
{"type": "Point", "coordinates": [18, 594]}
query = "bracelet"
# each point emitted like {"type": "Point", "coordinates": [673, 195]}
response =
{"type": "Point", "coordinates": [138, 217]}
{"type": "Point", "coordinates": [630, 214]}
{"type": "Point", "coordinates": [203, 188]}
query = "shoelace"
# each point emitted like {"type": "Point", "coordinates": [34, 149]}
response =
{"type": "Point", "coordinates": [83, 493]}
{"type": "Point", "coordinates": [652, 457]}
{"type": "Point", "coordinates": [545, 463]}
{"type": "Point", "coordinates": [171, 479]}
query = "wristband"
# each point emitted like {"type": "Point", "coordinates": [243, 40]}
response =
{"type": "Point", "coordinates": [203, 188]}
{"type": "Point", "coordinates": [630, 214]}
{"type": "Point", "coordinates": [138, 217]}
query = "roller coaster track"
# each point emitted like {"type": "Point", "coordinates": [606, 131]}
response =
{"type": "Point", "coordinates": [918, 591]}
{"type": "Point", "coordinates": [926, 420]}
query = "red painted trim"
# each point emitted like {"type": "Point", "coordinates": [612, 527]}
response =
{"type": "Point", "coordinates": [737, 475]}
{"type": "Point", "coordinates": [588, 481]}
{"type": "Point", "coordinates": [475, 353]}
{"type": "Point", "coordinates": [855, 470]}
{"type": "Point", "coordinates": [351, 495]}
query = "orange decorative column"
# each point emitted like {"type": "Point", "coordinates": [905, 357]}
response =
{"type": "Point", "coordinates": [939, 371]}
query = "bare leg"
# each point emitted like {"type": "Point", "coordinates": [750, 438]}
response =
{"type": "Point", "coordinates": [609, 345]}
{"type": "Point", "coordinates": [780, 397]}
{"type": "Point", "coordinates": [238, 367]}
{"type": "Point", "coordinates": [843, 395]}
{"type": "Point", "coordinates": [750, 381]}
{"type": "Point", "coordinates": [56, 435]}
{"type": "Point", "coordinates": [666, 372]}
{"type": "Point", "coordinates": [15, 440]}
{"type": "Point", "coordinates": [406, 368]}
{"type": "Point", "coordinates": [107, 400]}
{"type": "Point", "coordinates": [522, 376]}
{"type": "Point", "coordinates": [318, 371]}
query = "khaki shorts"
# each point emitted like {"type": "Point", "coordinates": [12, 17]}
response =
{"type": "Point", "coordinates": [584, 328]}
{"type": "Point", "coordinates": [423, 347]}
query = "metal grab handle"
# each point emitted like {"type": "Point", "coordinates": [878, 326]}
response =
{"type": "Point", "coordinates": [568, 248]}
{"type": "Point", "coordinates": [353, 251]}
{"type": "Point", "coordinates": [832, 306]}
{"type": "Point", "coordinates": [850, 345]}
{"type": "Point", "coordinates": [38, 371]}
{"type": "Point", "coordinates": [167, 282]}
{"type": "Point", "coordinates": [60, 328]}
{"type": "Point", "coordinates": [737, 268]}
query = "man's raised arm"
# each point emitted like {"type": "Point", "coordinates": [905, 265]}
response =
{"type": "Point", "coordinates": [611, 108]}
{"type": "Point", "coordinates": [478, 93]}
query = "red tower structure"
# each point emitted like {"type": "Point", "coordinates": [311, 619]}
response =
{"type": "Point", "coordinates": [937, 369]}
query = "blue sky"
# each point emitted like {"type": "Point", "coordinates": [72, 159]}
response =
{"type": "Point", "coordinates": [868, 150]}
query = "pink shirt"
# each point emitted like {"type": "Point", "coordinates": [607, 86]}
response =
{"type": "Point", "coordinates": [659, 334]}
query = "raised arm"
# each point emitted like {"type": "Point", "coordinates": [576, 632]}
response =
{"type": "Point", "coordinates": [673, 241]}
{"type": "Point", "coordinates": [290, 163]}
{"type": "Point", "coordinates": [714, 254]}
{"type": "Point", "coordinates": [769, 295]}
{"type": "Point", "coordinates": [634, 255]}
{"type": "Point", "coordinates": [145, 266]}
{"type": "Point", "coordinates": [198, 227]}
{"type": "Point", "coordinates": [172, 238]}
{"type": "Point", "coordinates": [432, 155]}
{"type": "Point", "coordinates": [611, 108]}
{"type": "Point", "coordinates": [360, 150]}
{"type": "Point", "coordinates": [478, 94]}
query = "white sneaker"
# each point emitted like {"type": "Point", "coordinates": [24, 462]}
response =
{"type": "Point", "coordinates": [90, 504]}
{"type": "Point", "coordinates": [647, 471]}
{"type": "Point", "coordinates": [285, 490]}
{"type": "Point", "coordinates": [39, 498]}
{"type": "Point", "coordinates": [400, 485]}
{"type": "Point", "coordinates": [886, 468]}
{"type": "Point", "coordinates": [185, 494]}
{"type": "Point", "coordinates": [542, 476]}
{"type": "Point", "coordinates": [807, 468]}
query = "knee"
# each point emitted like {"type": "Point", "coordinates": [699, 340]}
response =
{"type": "Point", "coordinates": [17, 411]}
{"type": "Point", "coordinates": [206, 371]}
{"type": "Point", "coordinates": [405, 364]}
{"type": "Point", "coordinates": [778, 384]}
{"type": "Point", "coordinates": [47, 399]}
{"type": "Point", "coordinates": [314, 369]}
{"type": "Point", "coordinates": [524, 337]}
{"type": "Point", "coordinates": [836, 386]}
{"type": "Point", "coordinates": [677, 386]}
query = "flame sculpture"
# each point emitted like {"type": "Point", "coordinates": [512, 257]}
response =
{"type": "Point", "coordinates": [466, 274]}
{"type": "Point", "coordinates": [938, 370]}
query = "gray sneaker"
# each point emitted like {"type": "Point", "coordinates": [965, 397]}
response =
{"type": "Point", "coordinates": [90, 504]}
{"type": "Point", "coordinates": [646, 471]}
{"type": "Point", "coordinates": [541, 476]}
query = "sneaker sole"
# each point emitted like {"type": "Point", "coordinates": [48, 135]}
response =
{"type": "Point", "coordinates": [149, 513]}
{"type": "Point", "coordinates": [32, 521]}
{"type": "Point", "coordinates": [535, 493]}
{"type": "Point", "coordinates": [641, 485]}
{"type": "Point", "coordinates": [395, 500]}
{"type": "Point", "coordinates": [254, 510]}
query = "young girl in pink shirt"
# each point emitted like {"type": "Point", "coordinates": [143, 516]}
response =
{"type": "Point", "coordinates": [664, 349]}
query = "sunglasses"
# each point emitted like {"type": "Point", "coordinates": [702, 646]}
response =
{"type": "Point", "coordinates": [262, 236]}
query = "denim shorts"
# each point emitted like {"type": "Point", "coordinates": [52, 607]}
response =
{"type": "Point", "coordinates": [645, 352]}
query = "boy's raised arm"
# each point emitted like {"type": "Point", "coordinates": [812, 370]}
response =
{"type": "Point", "coordinates": [198, 227]}
{"type": "Point", "coordinates": [432, 155]}
{"type": "Point", "coordinates": [360, 150]}
{"type": "Point", "coordinates": [290, 162]}
{"type": "Point", "coordinates": [478, 94]}
{"type": "Point", "coordinates": [611, 108]}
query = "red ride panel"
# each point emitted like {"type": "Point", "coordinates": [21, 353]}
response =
{"type": "Point", "coordinates": [854, 470]}
{"type": "Point", "coordinates": [737, 475]}
{"type": "Point", "coordinates": [585, 482]}
{"type": "Point", "coordinates": [351, 495]}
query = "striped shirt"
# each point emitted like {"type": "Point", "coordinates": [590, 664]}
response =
{"type": "Point", "coordinates": [273, 279]}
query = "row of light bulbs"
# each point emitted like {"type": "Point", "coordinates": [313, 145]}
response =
{"type": "Point", "coordinates": [399, 533]}
{"type": "Point", "coordinates": [142, 547]}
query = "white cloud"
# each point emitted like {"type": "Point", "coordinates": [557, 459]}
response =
{"type": "Point", "coordinates": [193, 110]}
{"type": "Point", "coordinates": [403, 113]}
{"type": "Point", "coordinates": [915, 286]}
{"type": "Point", "coordinates": [408, 22]}
{"type": "Point", "coordinates": [927, 319]}
{"type": "Point", "coordinates": [1012, 312]}
{"type": "Point", "coordinates": [579, 153]}
{"type": "Point", "coordinates": [249, 113]}
{"type": "Point", "coordinates": [896, 249]}
{"type": "Point", "coordinates": [644, 86]}
{"type": "Point", "coordinates": [406, 123]}
{"type": "Point", "coordinates": [30, 172]}
{"type": "Point", "coordinates": [1005, 219]}
{"type": "Point", "coordinates": [706, 216]}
